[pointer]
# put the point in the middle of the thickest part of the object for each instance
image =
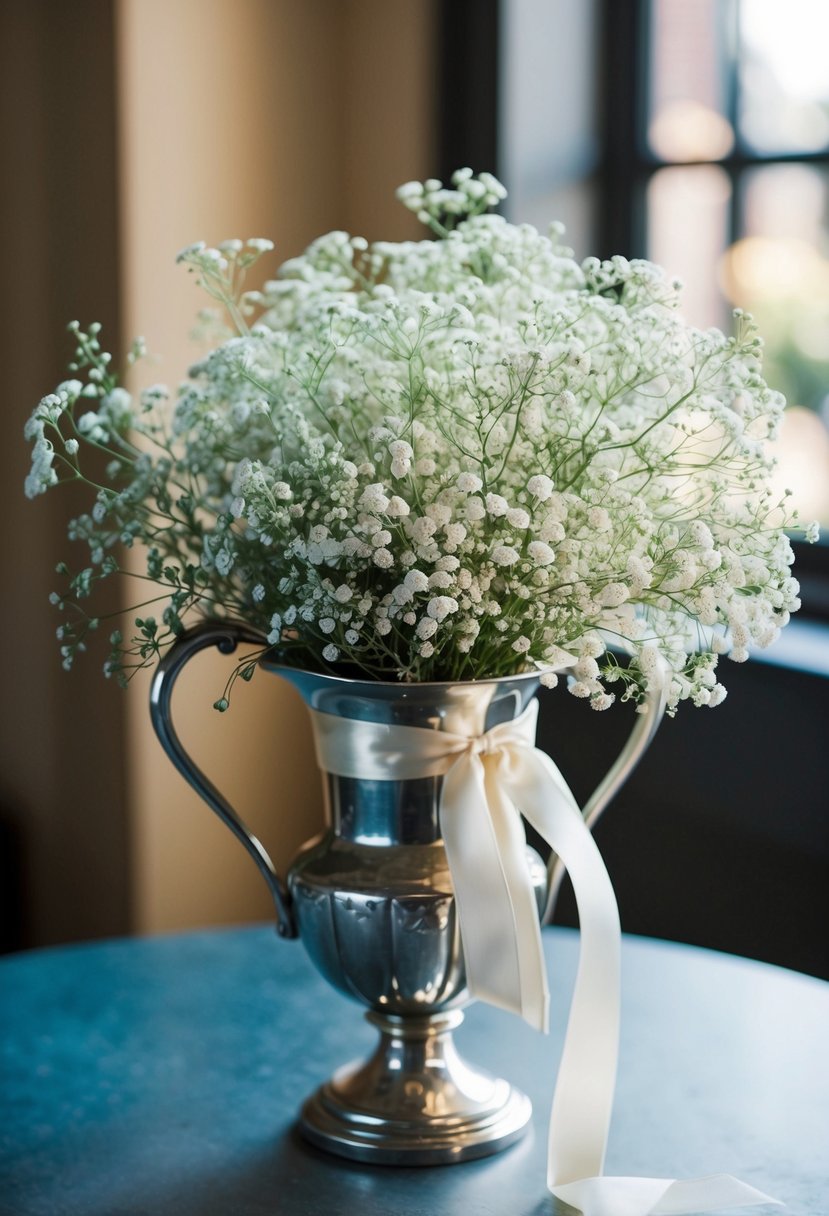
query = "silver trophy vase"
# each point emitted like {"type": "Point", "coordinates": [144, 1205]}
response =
{"type": "Point", "coordinates": [372, 899]}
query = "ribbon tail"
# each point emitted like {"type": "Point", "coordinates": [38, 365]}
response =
{"type": "Point", "coordinates": [583, 1099]}
{"type": "Point", "coordinates": [709, 1195]}
{"type": "Point", "coordinates": [659, 1196]}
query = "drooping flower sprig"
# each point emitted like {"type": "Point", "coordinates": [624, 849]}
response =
{"type": "Point", "coordinates": [440, 460]}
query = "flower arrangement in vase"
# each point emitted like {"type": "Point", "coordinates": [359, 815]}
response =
{"type": "Point", "coordinates": [420, 478]}
{"type": "Point", "coordinates": [446, 459]}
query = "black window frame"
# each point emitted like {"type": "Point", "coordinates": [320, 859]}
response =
{"type": "Point", "coordinates": [628, 164]}
{"type": "Point", "coordinates": [469, 94]}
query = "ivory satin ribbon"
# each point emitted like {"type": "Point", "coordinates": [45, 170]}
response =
{"type": "Point", "coordinates": [485, 779]}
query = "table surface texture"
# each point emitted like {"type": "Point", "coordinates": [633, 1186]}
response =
{"type": "Point", "coordinates": [162, 1077]}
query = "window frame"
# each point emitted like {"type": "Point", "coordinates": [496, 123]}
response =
{"type": "Point", "coordinates": [628, 164]}
{"type": "Point", "coordinates": [468, 86]}
{"type": "Point", "coordinates": [469, 90]}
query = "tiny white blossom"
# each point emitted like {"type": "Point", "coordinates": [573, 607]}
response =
{"type": "Point", "coordinates": [190, 251]}
{"type": "Point", "coordinates": [423, 528]}
{"type": "Point", "coordinates": [496, 505]}
{"type": "Point", "coordinates": [540, 553]}
{"type": "Point", "coordinates": [586, 669]}
{"type": "Point", "coordinates": [540, 486]}
{"type": "Point", "coordinates": [475, 510]}
{"type": "Point", "coordinates": [440, 580]}
{"type": "Point", "coordinates": [517, 517]}
{"type": "Point", "coordinates": [650, 660]}
{"type": "Point", "coordinates": [397, 507]}
{"type": "Point", "coordinates": [455, 534]}
{"type": "Point", "coordinates": [439, 512]}
{"type": "Point", "coordinates": [598, 519]}
{"type": "Point", "coordinates": [469, 483]}
{"type": "Point", "coordinates": [580, 689]}
{"type": "Point", "coordinates": [374, 498]}
{"type": "Point", "coordinates": [441, 606]}
{"type": "Point", "coordinates": [612, 595]}
{"type": "Point", "coordinates": [700, 534]}
{"type": "Point", "coordinates": [416, 580]}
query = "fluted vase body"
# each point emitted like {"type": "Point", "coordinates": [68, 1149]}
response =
{"type": "Point", "coordinates": [373, 896]}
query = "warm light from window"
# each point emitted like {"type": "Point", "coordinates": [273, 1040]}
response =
{"type": "Point", "coordinates": [687, 233]}
{"type": "Point", "coordinates": [784, 281]}
{"type": "Point", "coordinates": [687, 130]}
{"type": "Point", "coordinates": [757, 269]}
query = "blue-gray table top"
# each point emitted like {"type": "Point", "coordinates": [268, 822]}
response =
{"type": "Point", "coordinates": [162, 1077]}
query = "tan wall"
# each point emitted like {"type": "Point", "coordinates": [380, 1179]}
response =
{"type": "Point", "coordinates": [247, 118]}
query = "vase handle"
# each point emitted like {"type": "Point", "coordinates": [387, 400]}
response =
{"type": "Point", "coordinates": [225, 636]}
{"type": "Point", "coordinates": [639, 739]}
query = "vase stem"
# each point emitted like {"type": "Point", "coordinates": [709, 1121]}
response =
{"type": "Point", "coordinates": [415, 1101]}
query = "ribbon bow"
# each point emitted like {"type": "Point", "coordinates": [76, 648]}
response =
{"type": "Point", "coordinates": [485, 779]}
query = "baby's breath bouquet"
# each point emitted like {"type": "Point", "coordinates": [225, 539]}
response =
{"type": "Point", "coordinates": [452, 459]}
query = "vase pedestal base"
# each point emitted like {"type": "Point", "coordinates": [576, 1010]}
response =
{"type": "Point", "coordinates": [415, 1101]}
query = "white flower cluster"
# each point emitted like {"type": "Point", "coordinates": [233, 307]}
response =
{"type": "Point", "coordinates": [452, 459]}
